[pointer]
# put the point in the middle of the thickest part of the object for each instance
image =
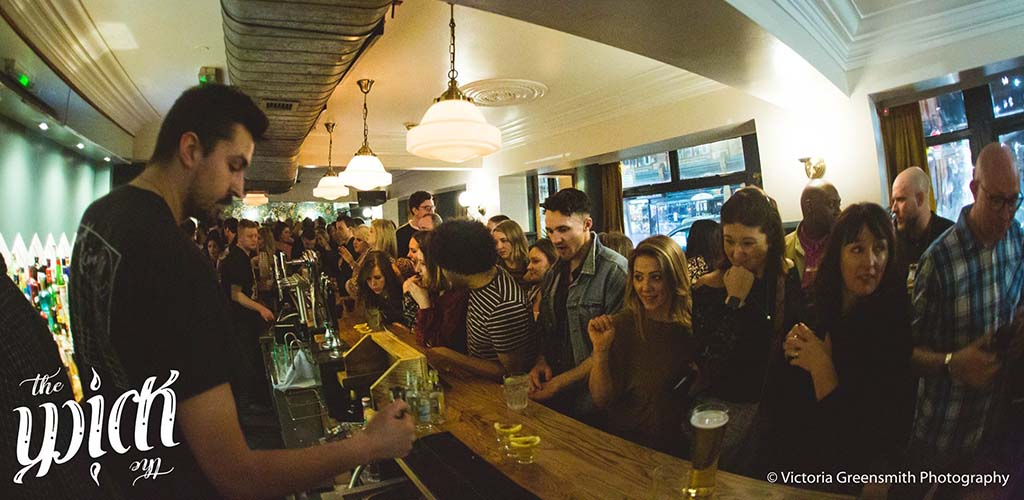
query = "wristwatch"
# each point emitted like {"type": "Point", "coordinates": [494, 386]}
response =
{"type": "Point", "coordinates": [945, 363]}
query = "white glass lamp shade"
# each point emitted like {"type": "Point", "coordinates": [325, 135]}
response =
{"type": "Point", "coordinates": [453, 130]}
{"type": "Point", "coordinates": [255, 199]}
{"type": "Point", "coordinates": [365, 172]}
{"type": "Point", "coordinates": [330, 187]}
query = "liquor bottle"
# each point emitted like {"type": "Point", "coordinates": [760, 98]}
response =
{"type": "Point", "coordinates": [367, 411]}
{"type": "Point", "coordinates": [436, 398]}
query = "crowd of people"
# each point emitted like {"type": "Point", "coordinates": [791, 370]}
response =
{"type": "Point", "coordinates": [868, 340]}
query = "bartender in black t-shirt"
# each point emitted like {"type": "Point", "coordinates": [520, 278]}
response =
{"type": "Point", "coordinates": [249, 318]}
{"type": "Point", "coordinates": [147, 304]}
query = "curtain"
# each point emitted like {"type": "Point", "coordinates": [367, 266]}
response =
{"type": "Point", "coordinates": [611, 191]}
{"type": "Point", "coordinates": [903, 139]}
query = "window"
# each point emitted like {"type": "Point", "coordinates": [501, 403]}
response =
{"type": "Point", "coordinates": [650, 169]}
{"type": "Point", "coordinates": [950, 165]}
{"type": "Point", "coordinates": [957, 125]}
{"type": "Point", "coordinates": [942, 114]}
{"type": "Point", "coordinates": [672, 214]}
{"type": "Point", "coordinates": [1015, 140]}
{"type": "Point", "coordinates": [685, 185]}
{"type": "Point", "coordinates": [1007, 95]}
{"type": "Point", "coordinates": [722, 157]}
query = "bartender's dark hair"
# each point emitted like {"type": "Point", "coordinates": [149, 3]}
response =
{"type": "Point", "coordinates": [828, 283]}
{"type": "Point", "coordinates": [463, 247]}
{"type": "Point", "coordinates": [210, 112]}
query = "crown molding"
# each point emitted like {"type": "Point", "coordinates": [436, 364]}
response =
{"type": "Point", "coordinates": [854, 39]}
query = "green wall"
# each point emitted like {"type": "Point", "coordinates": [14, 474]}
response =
{"type": "Point", "coordinates": [44, 188]}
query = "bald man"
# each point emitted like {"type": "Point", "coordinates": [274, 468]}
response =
{"type": "Point", "coordinates": [966, 295]}
{"type": "Point", "coordinates": [917, 226]}
{"type": "Point", "coordinates": [819, 203]}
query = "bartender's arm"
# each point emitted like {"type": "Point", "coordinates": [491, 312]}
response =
{"type": "Point", "coordinates": [248, 303]}
{"type": "Point", "coordinates": [209, 423]}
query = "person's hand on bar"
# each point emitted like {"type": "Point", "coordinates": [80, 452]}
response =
{"type": "Point", "coordinates": [548, 389]}
{"type": "Point", "coordinates": [391, 431]}
{"type": "Point", "coordinates": [540, 374]}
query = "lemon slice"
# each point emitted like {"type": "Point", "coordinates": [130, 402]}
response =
{"type": "Point", "coordinates": [507, 429]}
{"type": "Point", "coordinates": [524, 441]}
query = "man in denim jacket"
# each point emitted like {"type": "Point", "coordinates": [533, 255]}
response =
{"type": "Point", "coordinates": [589, 280]}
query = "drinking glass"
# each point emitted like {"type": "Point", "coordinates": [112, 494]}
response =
{"type": "Point", "coordinates": [517, 387]}
{"type": "Point", "coordinates": [708, 422]}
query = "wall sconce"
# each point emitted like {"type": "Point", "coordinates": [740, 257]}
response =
{"type": "Point", "coordinates": [813, 167]}
{"type": "Point", "coordinates": [468, 200]}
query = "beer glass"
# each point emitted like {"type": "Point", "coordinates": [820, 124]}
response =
{"type": "Point", "coordinates": [517, 388]}
{"type": "Point", "coordinates": [708, 422]}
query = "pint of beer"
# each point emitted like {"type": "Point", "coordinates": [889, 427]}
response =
{"type": "Point", "coordinates": [708, 421]}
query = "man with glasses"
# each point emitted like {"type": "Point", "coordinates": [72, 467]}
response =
{"type": "Point", "coordinates": [421, 204]}
{"type": "Point", "coordinates": [967, 294]}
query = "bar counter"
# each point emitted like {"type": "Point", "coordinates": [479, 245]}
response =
{"type": "Point", "coordinates": [573, 459]}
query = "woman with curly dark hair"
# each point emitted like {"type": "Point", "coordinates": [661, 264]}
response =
{"type": "Point", "coordinates": [840, 395]}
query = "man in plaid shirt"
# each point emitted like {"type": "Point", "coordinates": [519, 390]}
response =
{"type": "Point", "coordinates": [967, 292]}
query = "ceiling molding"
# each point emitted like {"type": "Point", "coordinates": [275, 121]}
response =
{"type": "Point", "coordinates": [67, 38]}
{"type": "Point", "coordinates": [659, 86]}
{"type": "Point", "coordinates": [854, 39]}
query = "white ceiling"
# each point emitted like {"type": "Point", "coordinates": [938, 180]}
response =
{"type": "Point", "coordinates": [160, 44]}
{"type": "Point", "coordinates": [409, 65]}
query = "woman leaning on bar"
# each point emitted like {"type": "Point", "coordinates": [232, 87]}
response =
{"type": "Point", "coordinates": [643, 352]}
{"type": "Point", "coordinates": [739, 309]}
{"type": "Point", "coordinates": [840, 395]}
{"type": "Point", "coordinates": [441, 309]}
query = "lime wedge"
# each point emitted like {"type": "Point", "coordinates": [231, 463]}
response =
{"type": "Point", "coordinates": [524, 441]}
{"type": "Point", "coordinates": [507, 428]}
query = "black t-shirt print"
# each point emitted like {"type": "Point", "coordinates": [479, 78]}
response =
{"type": "Point", "coordinates": [144, 302]}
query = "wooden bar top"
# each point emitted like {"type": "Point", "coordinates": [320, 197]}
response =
{"type": "Point", "coordinates": [573, 459]}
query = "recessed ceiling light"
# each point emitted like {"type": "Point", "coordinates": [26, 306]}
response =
{"type": "Point", "coordinates": [80, 146]}
{"type": "Point", "coordinates": [43, 126]}
{"type": "Point", "coordinates": [106, 159]}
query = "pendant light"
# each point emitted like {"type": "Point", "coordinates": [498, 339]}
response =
{"type": "Point", "coordinates": [330, 186]}
{"type": "Point", "coordinates": [365, 171]}
{"type": "Point", "coordinates": [453, 129]}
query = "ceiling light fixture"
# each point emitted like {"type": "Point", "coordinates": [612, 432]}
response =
{"type": "Point", "coordinates": [365, 171]}
{"type": "Point", "coordinates": [255, 199]}
{"type": "Point", "coordinates": [80, 146]}
{"type": "Point", "coordinates": [106, 159]}
{"type": "Point", "coordinates": [43, 126]}
{"type": "Point", "coordinates": [330, 186]}
{"type": "Point", "coordinates": [453, 129]}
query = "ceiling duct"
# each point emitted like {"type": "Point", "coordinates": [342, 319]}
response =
{"type": "Point", "coordinates": [289, 55]}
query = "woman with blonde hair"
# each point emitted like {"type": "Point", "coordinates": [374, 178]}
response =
{"type": "Point", "coordinates": [510, 241]}
{"type": "Point", "coordinates": [383, 238]}
{"type": "Point", "coordinates": [643, 354]}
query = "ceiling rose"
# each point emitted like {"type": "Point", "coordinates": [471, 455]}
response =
{"type": "Point", "coordinates": [504, 91]}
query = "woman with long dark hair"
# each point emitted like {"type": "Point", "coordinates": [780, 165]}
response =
{"type": "Point", "coordinates": [441, 309]}
{"type": "Point", "coordinates": [840, 395]}
{"type": "Point", "coordinates": [741, 309]}
{"type": "Point", "coordinates": [380, 290]}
